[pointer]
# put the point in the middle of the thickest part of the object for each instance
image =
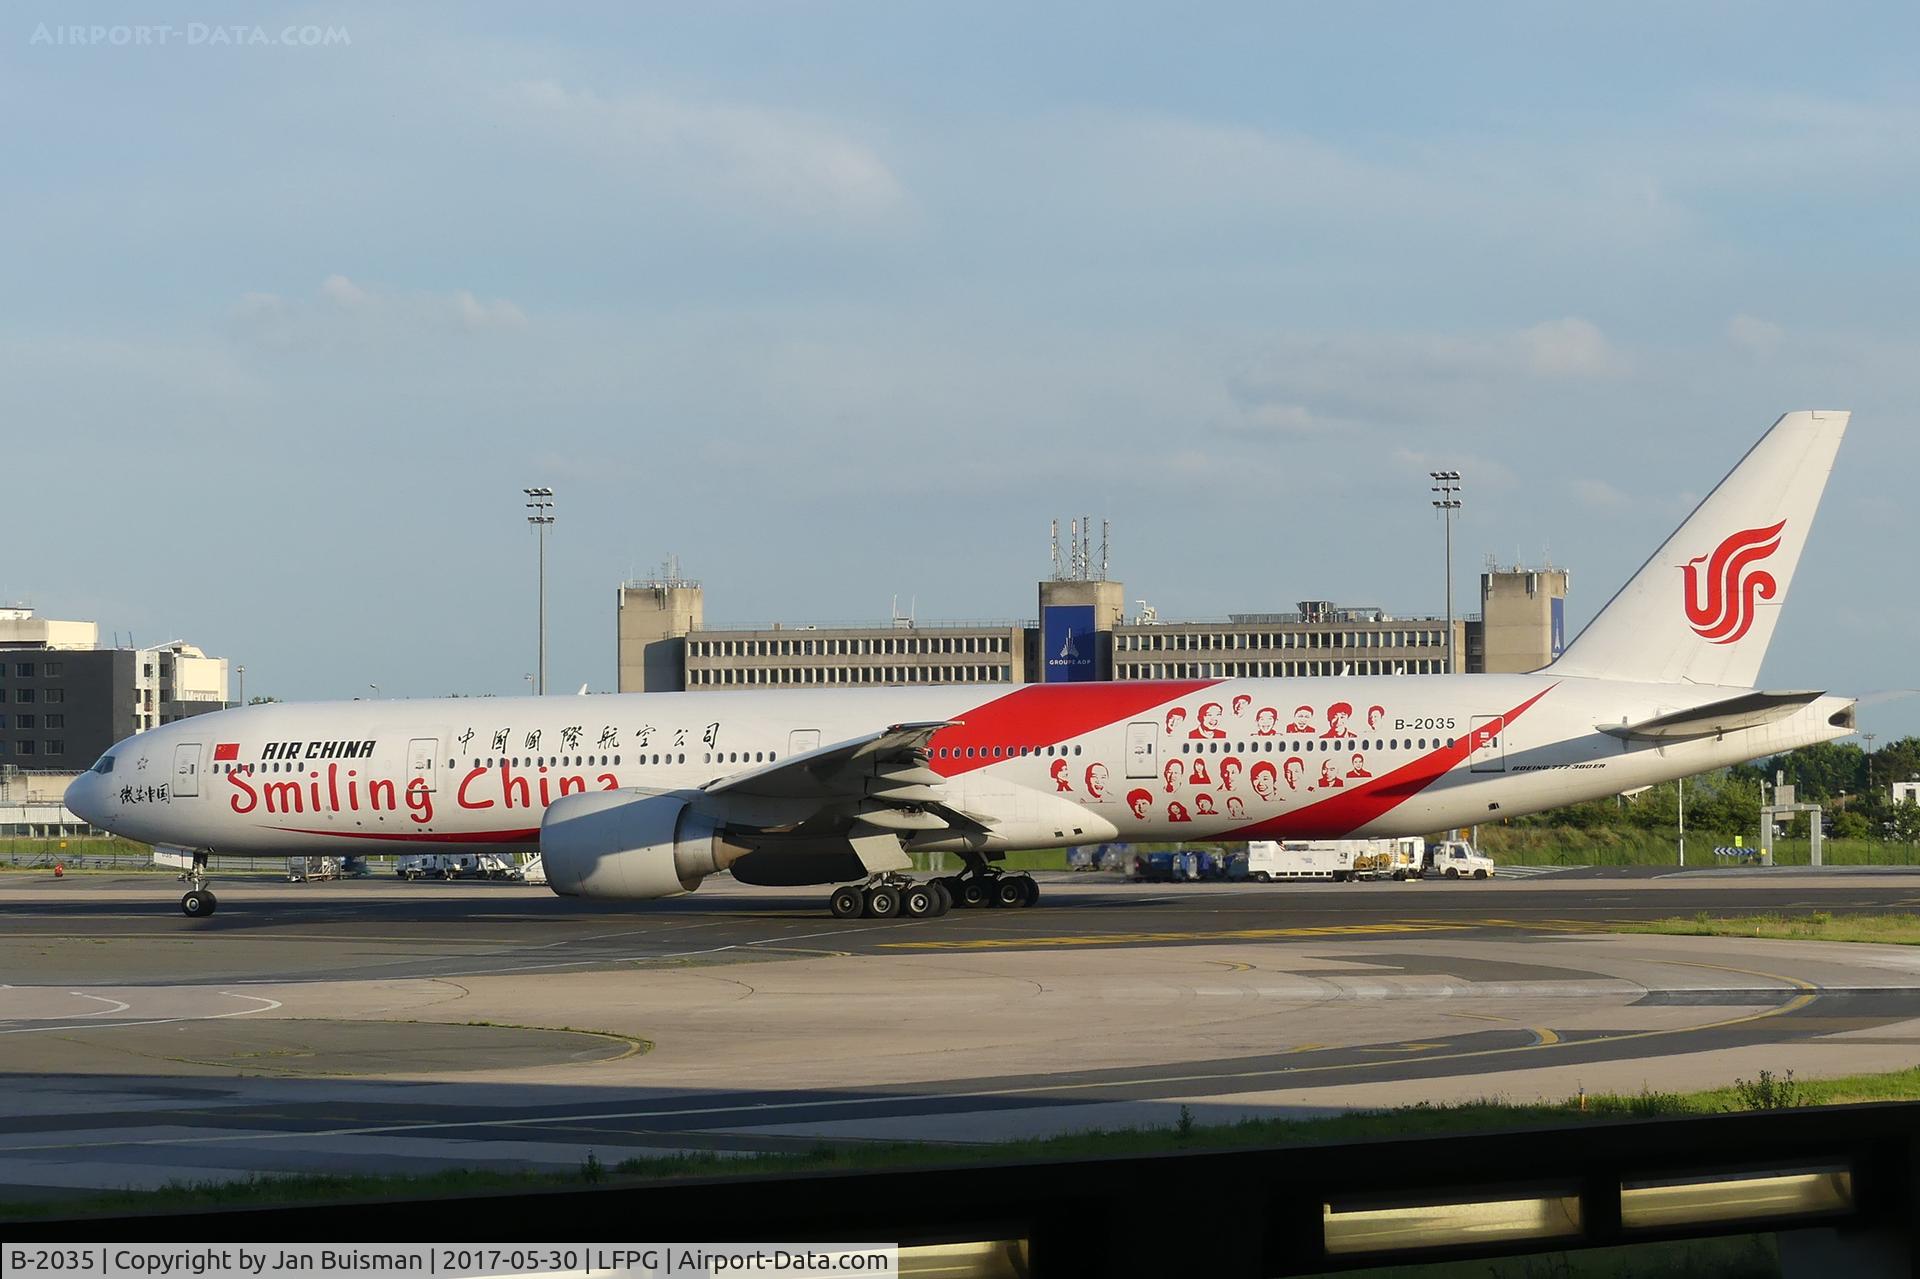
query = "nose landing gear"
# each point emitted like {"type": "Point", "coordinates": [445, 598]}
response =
{"type": "Point", "coordinates": [198, 901]}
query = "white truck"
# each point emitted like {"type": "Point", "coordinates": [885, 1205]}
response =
{"type": "Point", "coordinates": [1335, 859]}
{"type": "Point", "coordinates": [1455, 859]}
{"type": "Point", "coordinates": [456, 866]}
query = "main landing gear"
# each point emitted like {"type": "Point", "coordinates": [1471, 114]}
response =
{"type": "Point", "coordinates": [894, 896]}
{"type": "Point", "coordinates": [983, 884]}
{"type": "Point", "coordinates": [889, 897]}
{"type": "Point", "coordinates": [198, 901]}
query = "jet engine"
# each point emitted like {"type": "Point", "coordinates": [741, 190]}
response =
{"type": "Point", "coordinates": [631, 844]}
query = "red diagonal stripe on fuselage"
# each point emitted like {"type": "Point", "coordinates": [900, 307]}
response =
{"type": "Point", "coordinates": [1354, 807]}
{"type": "Point", "coordinates": [1047, 714]}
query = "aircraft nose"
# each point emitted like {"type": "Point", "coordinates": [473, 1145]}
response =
{"type": "Point", "coordinates": [83, 799]}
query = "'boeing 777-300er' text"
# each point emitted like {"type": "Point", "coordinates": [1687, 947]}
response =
{"type": "Point", "coordinates": [644, 795]}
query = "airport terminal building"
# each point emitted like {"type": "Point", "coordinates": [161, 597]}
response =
{"type": "Point", "coordinates": [1082, 633]}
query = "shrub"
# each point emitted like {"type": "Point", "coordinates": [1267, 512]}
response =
{"type": "Point", "coordinates": [1769, 1092]}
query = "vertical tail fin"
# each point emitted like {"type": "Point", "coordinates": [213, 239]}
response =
{"type": "Point", "coordinates": [1703, 609]}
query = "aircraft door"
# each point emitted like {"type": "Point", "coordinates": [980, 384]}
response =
{"type": "Point", "coordinates": [186, 770]}
{"type": "Point", "coordinates": [1143, 751]}
{"type": "Point", "coordinates": [1489, 744]}
{"type": "Point", "coordinates": [802, 740]}
{"type": "Point", "coordinates": [421, 755]}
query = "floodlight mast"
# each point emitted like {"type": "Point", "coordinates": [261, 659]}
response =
{"type": "Point", "coordinates": [540, 504]}
{"type": "Point", "coordinates": [1447, 485]}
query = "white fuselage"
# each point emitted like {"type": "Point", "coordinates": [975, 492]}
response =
{"type": "Point", "coordinates": [1049, 765]}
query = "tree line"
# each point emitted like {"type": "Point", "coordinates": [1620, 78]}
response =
{"type": "Point", "coordinates": [1852, 787]}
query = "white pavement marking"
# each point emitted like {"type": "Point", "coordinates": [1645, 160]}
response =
{"type": "Point", "coordinates": [119, 1006]}
{"type": "Point", "coordinates": [772, 941]}
{"type": "Point", "coordinates": [268, 1006]}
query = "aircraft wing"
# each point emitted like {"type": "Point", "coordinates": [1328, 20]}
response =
{"type": "Point", "coordinates": [878, 784]}
{"type": "Point", "coordinates": [890, 763]}
{"type": "Point", "coordinates": [1748, 710]}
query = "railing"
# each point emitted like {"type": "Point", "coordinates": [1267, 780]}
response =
{"type": "Point", "coordinates": [1841, 1179]}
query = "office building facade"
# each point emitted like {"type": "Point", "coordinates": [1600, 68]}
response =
{"type": "Point", "coordinates": [64, 700]}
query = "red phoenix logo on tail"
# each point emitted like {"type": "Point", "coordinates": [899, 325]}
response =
{"type": "Point", "coordinates": [1722, 608]}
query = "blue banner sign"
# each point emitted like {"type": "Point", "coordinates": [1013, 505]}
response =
{"type": "Point", "coordinates": [1067, 644]}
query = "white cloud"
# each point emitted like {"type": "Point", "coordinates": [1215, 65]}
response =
{"type": "Point", "coordinates": [343, 308]}
{"type": "Point", "coordinates": [1456, 194]}
{"type": "Point", "coordinates": [1296, 383]}
{"type": "Point", "coordinates": [1569, 347]}
{"type": "Point", "coordinates": [1599, 495]}
{"type": "Point", "coordinates": [1475, 472]}
{"type": "Point", "coordinates": [497, 314]}
{"type": "Point", "coordinates": [754, 160]}
{"type": "Point", "coordinates": [1274, 418]}
{"type": "Point", "coordinates": [1753, 334]}
{"type": "Point", "coordinates": [341, 291]}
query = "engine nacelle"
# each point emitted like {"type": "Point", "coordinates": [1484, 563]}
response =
{"type": "Point", "coordinates": [631, 844]}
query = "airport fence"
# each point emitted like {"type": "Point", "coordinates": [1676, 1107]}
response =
{"type": "Point", "coordinates": [1632, 846]}
{"type": "Point", "coordinates": [128, 856]}
{"type": "Point", "coordinates": [1838, 1187]}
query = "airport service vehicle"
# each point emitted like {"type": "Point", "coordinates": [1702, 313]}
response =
{"type": "Point", "coordinates": [636, 796]}
{"type": "Point", "coordinates": [1455, 859]}
{"type": "Point", "coordinates": [1398, 858]}
{"type": "Point", "coordinates": [1335, 859]}
{"type": "Point", "coordinates": [1155, 867]}
{"type": "Point", "coordinates": [301, 869]}
{"type": "Point", "coordinates": [1189, 865]}
{"type": "Point", "coordinates": [1271, 859]}
{"type": "Point", "coordinates": [455, 866]}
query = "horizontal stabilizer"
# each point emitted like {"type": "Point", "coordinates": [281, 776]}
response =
{"type": "Point", "coordinates": [1749, 710]}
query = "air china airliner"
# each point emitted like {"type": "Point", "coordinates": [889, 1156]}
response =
{"type": "Point", "coordinates": [638, 796]}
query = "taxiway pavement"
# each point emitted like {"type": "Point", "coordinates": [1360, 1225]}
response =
{"type": "Point", "coordinates": [408, 1027]}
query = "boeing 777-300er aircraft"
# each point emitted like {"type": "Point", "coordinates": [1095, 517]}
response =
{"type": "Point", "coordinates": [637, 796]}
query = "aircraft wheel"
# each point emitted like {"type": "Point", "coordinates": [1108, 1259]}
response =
{"type": "Point", "coordinates": [846, 902]}
{"type": "Point", "coordinates": [919, 901]}
{"type": "Point", "coordinates": [972, 894]}
{"type": "Point", "coordinates": [1011, 891]}
{"type": "Point", "coordinates": [198, 904]}
{"type": "Point", "coordinates": [882, 902]}
{"type": "Point", "coordinates": [1033, 892]}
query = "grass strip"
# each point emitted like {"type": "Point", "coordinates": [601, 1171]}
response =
{"type": "Point", "coordinates": [1898, 928]}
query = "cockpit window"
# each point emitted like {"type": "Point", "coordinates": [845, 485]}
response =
{"type": "Point", "coordinates": [105, 765]}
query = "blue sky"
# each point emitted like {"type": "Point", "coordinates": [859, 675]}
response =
{"type": "Point", "coordinates": [844, 302]}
